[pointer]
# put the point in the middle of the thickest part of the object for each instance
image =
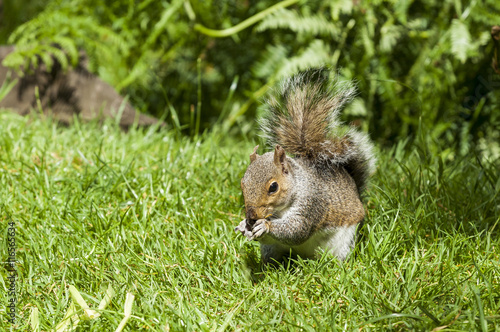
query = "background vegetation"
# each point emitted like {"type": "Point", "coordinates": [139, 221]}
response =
{"type": "Point", "coordinates": [151, 211]}
{"type": "Point", "coordinates": [415, 61]}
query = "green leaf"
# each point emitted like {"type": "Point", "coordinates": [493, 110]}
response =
{"type": "Point", "coordinates": [460, 40]}
{"type": "Point", "coordinates": [7, 86]}
{"type": "Point", "coordinates": [316, 25]}
{"type": "Point", "coordinates": [127, 311]}
{"type": "Point", "coordinates": [75, 295]}
{"type": "Point", "coordinates": [35, 320]}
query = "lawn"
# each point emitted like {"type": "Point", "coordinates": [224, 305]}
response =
{"type": "Point", "coordinates": [151, 213]}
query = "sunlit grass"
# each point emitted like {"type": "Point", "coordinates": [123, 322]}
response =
{"type": "Point", "coordinates": [152, 214]}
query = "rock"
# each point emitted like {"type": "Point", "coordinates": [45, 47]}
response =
{"type": "Point", "coordinates": [64, 94]}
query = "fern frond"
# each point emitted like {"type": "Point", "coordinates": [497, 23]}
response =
{"type": "Point", "coordinates": [273, 58]}
{"type": "Point", "coordinates": [338, 7]}
{"type": "Point", "coordinates": [59, 33]}
{"type": "Point", "coordinates": [316, 25]}
{"type": "Point", "coordinates": [68, 45]}
{"type": "Point", "coordinates": [316, 54]}
{"type": "Point", "coordinates": [389, 36]}
{"type": "Point", "coordinates": [43, 52]}
{"type": "Point", "coordinates": [460, 40]}
{"type": "Point", "coordinates": [487, 13]}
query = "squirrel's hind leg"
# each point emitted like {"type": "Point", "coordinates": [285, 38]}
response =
{"type": "Point", "coordinates": [273, 253]}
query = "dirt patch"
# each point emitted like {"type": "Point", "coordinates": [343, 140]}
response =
{"type": "Point", "coordinates": [66, 94]}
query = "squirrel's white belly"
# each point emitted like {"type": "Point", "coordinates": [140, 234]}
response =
{"type": "Point", "coordinates": [338, 241]}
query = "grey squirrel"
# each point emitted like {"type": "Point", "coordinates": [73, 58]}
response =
{"type": "Point", "coordinates": [309, 202]}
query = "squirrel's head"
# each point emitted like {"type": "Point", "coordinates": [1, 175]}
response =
{"type": "Point", "coordinates": [266, 184]}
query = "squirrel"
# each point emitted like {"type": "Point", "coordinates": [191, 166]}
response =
{"type": "Point", "coordinates": [309, 202]}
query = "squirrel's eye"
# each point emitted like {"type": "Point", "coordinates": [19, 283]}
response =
{"type": "Point", "coordinates": [273, 187]}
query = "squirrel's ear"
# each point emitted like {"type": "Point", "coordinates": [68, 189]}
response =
{"type": "Point", "coordinates": [280, 159]}
{"type": "Point", "coordinates": [254, 154]}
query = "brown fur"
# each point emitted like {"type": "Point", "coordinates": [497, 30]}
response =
{"type": "Point", "coordinates": [318, 190]}
{"type": "Point", "coordinates": [302, 116]}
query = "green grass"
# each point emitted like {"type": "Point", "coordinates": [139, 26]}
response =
{"type": "Point", "coordinates": [152, 214]}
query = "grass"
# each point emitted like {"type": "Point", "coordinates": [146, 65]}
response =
{"type": "Point", "coordinates": [152, 214]}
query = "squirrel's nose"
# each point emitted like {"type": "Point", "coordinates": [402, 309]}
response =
{"type": "Point", "coordinates": [251, 215]}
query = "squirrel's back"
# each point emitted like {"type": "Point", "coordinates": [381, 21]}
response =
{"type": "Point", "coordinates": [302, 116]}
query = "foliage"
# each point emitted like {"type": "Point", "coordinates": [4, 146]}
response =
{"type": "Point", "coordinates": [153, 50]}
{"type": "Point", "coordinates": [418, 61]}
{"type": "Point", "coordinates": [152, 214]}
{"type": "Point", "coordinates": [414, 61]}
{"type": "Point", "coordinates": [15, 12]}
{"type": "Point", "coordinates": [69, 31]}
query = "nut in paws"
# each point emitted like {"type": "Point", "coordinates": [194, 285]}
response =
{"type": "Point", "coordinates": [260, 228]}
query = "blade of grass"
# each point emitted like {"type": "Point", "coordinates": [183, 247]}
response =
{"type": "Point", "coordinates": [70, 320]}
{"type": "Point", "coordinates": [129, 301]}
{"type": "Point", "coordinates": [77, 297]}
{"type": "Point", "coordinates": [482, 321]}
{"type": "Point", "coordinates": [106, 300]}
{"type": "Point", "coordinates": [35, 320]}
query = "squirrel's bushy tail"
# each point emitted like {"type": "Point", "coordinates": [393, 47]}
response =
{"type": "Point", "coordinates": [302, 116]}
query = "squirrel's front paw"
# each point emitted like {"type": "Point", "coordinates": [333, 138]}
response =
{"type": "Point", "coordinates": [260, 228]}
{"type": "Point", "coordinates": [243, 228]}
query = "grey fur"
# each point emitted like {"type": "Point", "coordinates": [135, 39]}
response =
{"type": "Point", "coordinates": [311, 202]}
